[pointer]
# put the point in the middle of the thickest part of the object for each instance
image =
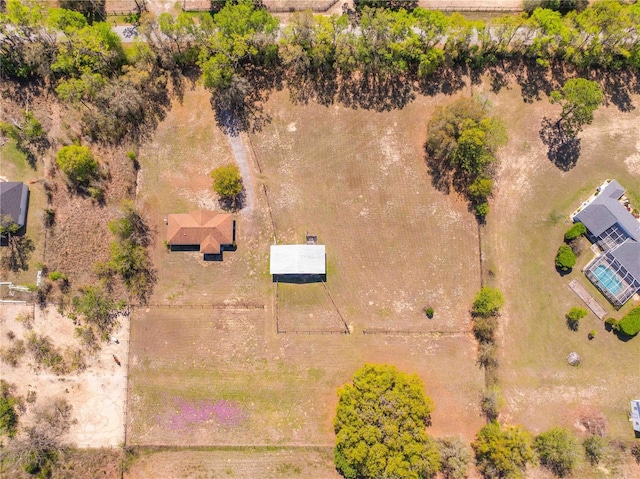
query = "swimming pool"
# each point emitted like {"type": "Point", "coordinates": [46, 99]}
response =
{"type": "Point", "coordinates": [607, 279]}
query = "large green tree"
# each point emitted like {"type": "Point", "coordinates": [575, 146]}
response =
{"type": "Point", "coordinates": [380, 426]}
{"type": "Point", "coordinates": [579, 98]}
{"type": "Point", "coordinates": [242, 34]}
{"type": "Point", "coordinates": [503, 451]}
{"type": "Point", "coordinates": [462, 141]}
{"type": "Point", "coordinates": [558, 450]}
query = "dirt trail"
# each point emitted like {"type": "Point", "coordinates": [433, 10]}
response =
{"type": "Point", "coordinates": [240, 154]}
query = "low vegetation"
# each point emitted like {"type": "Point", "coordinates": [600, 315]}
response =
{"type": "Point", "coordinates": [573, 317]}
{"type": "Point", "coordinates": [380, 426]}
{"type": "Point", "coordinates": [503, 451]}
{"type": "Point", "coordinates": [565, 259]}
{"type": "Point", "coordinates": [629, 325]}
{"type": "Point", "coordinates": [558, 451]}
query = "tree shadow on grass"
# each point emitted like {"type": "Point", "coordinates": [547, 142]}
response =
{"type": "Point", "coordinates": [16, 258]}
{"type": "Point", "coordinates": [235, 203]}
{"type": "Point", "coordinates": [371, 92]}
{"type": "Point", "coordinates": [618, 88]}
{"type": "Point", "coordinates": [562, 151]}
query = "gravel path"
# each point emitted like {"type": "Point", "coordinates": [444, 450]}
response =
{"type": "Point", "coordinates": [240, 154]}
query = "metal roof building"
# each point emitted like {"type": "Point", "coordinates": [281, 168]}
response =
{"type": "Point", "coordinates": [299, 259]}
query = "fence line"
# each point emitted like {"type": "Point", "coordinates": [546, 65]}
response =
{"type": "Point", "coordinates": [346, 326]}
{"type": "Point", "coordinates": [396, 332]}
{"type": "Point", "coordinates": [312, 332]}
{"type": "Point", "coordinates": [238, 306]}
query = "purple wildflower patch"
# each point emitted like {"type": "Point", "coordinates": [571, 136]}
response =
{"type": "Point", "coordinates": [185, 414]}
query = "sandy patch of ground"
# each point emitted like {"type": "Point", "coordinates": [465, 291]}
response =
{"type": "Point", "coordinates": [97, 394]}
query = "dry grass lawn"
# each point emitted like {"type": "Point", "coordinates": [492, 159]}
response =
{"type": "Point", "coordinates": [530, 216]}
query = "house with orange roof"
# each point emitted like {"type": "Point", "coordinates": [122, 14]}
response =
{"type": "Point", "coordinates": [209, 232]}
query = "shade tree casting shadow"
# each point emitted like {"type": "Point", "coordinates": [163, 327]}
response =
{"type": "Point", "coordinates": [562, 151]}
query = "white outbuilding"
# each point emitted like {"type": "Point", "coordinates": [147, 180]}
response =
{"type": "Point", "coordinates": [298, 259]}
{"type": "Point", "coordinates": [635, 414]}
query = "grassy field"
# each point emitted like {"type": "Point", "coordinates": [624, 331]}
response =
{"type": "Point", "coordinates": [224, 377]}
{"type": "Point", "coordinates": [531, 210]}
{"type": "Point", "coordinates": [275, 389]}
{"type": "Point", "coordinates": [358, 181]}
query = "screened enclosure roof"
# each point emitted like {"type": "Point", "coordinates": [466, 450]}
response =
{"type": "Point", "coordinates": [297, 259]}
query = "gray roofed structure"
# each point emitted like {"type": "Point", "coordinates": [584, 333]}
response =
{"type": "Point", "coordinates": [628, 254]}
{"type": "Point", "coordinates": [616, 273]}
{"type": "Point", "coordinates": [606, 210]}
{"type": "Point", "coordinates": [14, 199]}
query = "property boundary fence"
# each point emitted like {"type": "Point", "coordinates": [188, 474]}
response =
{"type": "Point", "coordinates": [237, 306]}
{"type": "Point", "coordinates": [397, 332]}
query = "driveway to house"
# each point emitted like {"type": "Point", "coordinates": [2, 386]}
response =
{"type": "Point", "coordinates": [240, 154]}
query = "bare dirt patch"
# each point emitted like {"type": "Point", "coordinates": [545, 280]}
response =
{"type": "Point", "coordinates": [97, 394]}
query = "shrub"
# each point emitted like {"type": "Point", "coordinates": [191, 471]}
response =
{"type": "Point", "coordinates": [429, 312]}
{"type": "Point", "coordinates": [595, 449]}
{"type": "Point", "coordinates": [503, 451]}
{"type": "Point", "coordinates": [487, 355]}
{"type": "Point", "coordinates": [11, 355]}
{"type": "Point", "coordinates": [487, 302]}
{"type": "Point", "coordinates": [574, 316]}
{"type": "Point", "coordinates": [56, 275]}
{"type": "Point", "coordinates": [455, 456]}
{"type": "Point", "coordinates": [577, 230]}
{"type": "Point", "coordinates": [8, 413]}
{"type": "Point", "coordinates": [592, 334]}
{"type": "Point", "coordinates": [484, 328]}
{"type": "Point", "coordinates": [78, 163]}
{"type": "Point", "coordinates": [630, 323]}
{"type": "Point", "coordinates": [492, 402]}
{"type": "Point", "coordinates": [613, 322]}
{"type": "Point", "coordinates": [558, 451]}
{"type": "Point", "coordinates": [482, 209]}
{"type": "Point", "coordinates": [227, 181]}
{"type": "Point", "coordinates": [565, 258]}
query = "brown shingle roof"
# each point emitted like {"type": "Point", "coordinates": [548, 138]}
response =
{"type": "Point", "coordinates": [209, 229]}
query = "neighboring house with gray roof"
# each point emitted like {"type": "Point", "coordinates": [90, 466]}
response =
{"type": "Point", "coordinates": [14, 202]}
{"type": "Point", "coordinates": [616, 272]}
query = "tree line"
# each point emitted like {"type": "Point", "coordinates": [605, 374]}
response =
{"type": "Point", "coordinates": [370, 57]}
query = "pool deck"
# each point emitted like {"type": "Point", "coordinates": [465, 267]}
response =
{"type": "Point", "coordinates": [589, 300]}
